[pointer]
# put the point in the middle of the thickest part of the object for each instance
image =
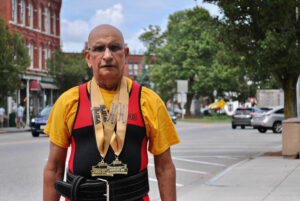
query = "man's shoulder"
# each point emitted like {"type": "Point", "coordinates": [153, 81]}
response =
{"type": "Point", "coordinates": [68, 97]}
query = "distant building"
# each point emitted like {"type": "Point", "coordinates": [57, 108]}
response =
{"type": "Point", "coordinates": [133, 66]}
{"type": "Point", "coordinates": [39, 23]}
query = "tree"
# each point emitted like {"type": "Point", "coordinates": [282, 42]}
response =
{"type": "Point", "coordinates": [68, 70]}
{"type": "Point", "coordinates": [264, 37]}
{"type": "Point", "coordinates": [143, 77]}
{"type": "Point", "coordinates": [13, 60]}
{"type": "Point", "coordinates": [183, 52]}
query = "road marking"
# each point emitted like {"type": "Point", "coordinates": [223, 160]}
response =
{"type": "Point", "coordinates": [212, 181]}
{"type": "Point", "coordinates": [184, 170]}
{"type": "Point", "coordinates": [155, 180]}
{"type": "Point", "coordinates": [200, 162]}
{"type": "Point", "coordinates": [23, 142]}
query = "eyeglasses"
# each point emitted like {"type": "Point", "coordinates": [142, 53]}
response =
{"type": "Point", "coordinates": [101, 48]}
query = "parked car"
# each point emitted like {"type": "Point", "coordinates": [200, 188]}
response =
{"type": "Point", "coordinates": [270, 119]}
{"type": "Point", "coordinates": [173, 116]}
{"type": "Point", "coordinates": [38, 123]}
{"type": "Point", "coordinates": [242, 117]}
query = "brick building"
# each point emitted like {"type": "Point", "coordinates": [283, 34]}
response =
{"type": "Point", "coordinates": [39, 23]}
{"type": "Point", "coordinates": [133, 66]}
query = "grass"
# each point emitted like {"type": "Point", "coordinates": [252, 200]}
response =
{"type": "Point", "coordinates": [207, 119]}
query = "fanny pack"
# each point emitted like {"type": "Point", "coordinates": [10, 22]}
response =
{"type": "Point", "coordinates": [77, 188]}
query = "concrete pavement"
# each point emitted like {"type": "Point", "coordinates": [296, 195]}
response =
{"type": "Point", "coordinates": [263, 178]}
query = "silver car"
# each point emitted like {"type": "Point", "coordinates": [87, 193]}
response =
{"type": "Point", "coordinates": [270, 119]}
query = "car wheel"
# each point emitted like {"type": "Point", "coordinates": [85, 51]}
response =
{"type": "Point", "coordinates": [35, 134]}
{"type": "Point", "coordinates": [277, 127]}
{"type": "Point", "coordinates": [262, 130]}
{"type": "Point", "coordinates": [243, 127]}
{"type": "Point", "coordinates": [233, 126]}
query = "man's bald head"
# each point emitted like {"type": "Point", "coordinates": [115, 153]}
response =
{"type": "Point", "coordinates": [104, 29]}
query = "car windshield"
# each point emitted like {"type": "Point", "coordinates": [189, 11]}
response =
{"type": "Point", "coordinates": [263, 110]}
{"type": "Point", "coordinates": [46, 111]}
{"type": "Point", "coordinates": [243, 111]}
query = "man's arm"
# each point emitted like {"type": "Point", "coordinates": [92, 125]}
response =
{"type": "Point", "coordinates": [166, 176]}
{"type": "Point", "coordinates": [54, 170]}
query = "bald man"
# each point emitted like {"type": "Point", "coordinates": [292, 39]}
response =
{"type": "Point", "coordinates": [110, 123]}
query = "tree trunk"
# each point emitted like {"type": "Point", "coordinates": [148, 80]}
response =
{"type": "Point", "coordinates": [290, 100]}
{"type": "Point", "coordinates": [188, 103]}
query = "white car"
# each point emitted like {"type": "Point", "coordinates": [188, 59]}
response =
{"type": "Point", "coordinates": [269, 120]}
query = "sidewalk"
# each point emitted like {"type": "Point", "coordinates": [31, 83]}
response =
{"type": "Point", "coordinates": [265, 178]}
{"type": "Point", "coordinates": [13, 130]}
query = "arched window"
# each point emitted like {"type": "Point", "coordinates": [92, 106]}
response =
{"type": "Point", "coordinates": [30, 14]}
{"type": "Point", "coordinates": [30, 54]}
{"type": "Point", "coordinates": [40, 57]}
{"type": "Point", "coordinates": [22, 13]}
{"type": "Point", "coordinates": [13, 10]}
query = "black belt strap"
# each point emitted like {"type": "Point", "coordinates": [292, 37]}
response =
{"type": "Point", "coordinates": [77, 188]}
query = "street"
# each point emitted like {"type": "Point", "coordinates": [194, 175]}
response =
{"type": "Point", "coordinates": [206, 151]}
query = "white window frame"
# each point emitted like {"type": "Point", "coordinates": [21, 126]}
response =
{"type": "Point", "coordinates": [40, 57]}
{"type": "Point", "coordinates": [31, 54]}
{"type": "Point", "coordinates": [54, 23]}
{"type": "Point", "coordinates": [30, 14]}
{"type": "Point", "coordinates": [40, 18]}
{"type": "Point", "coordinates": [47, 20]}
{"type": "Point", "coordinates": [136, 69]}
{"type": "Point", "coordinates": [129, 69]}
{"type": "Point", "coordinates": [14, 10]}
{"type": "Point", "coordinates": [23, 12]}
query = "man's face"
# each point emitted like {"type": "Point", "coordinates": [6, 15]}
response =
{"type": "Point", "coordinates": [106, 56]}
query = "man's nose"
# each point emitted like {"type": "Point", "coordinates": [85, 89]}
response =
{"type": "Point", "coordinates": [107, 54]}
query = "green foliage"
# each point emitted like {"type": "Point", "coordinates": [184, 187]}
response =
{"type": "Point", "coordinates": [189, 50]}
{"type": "Point", "coordinates": [264, 37]}
{"type": "Point", "coordinates": [13, 60]}
{"type": "Point", "coordinates": [68, 70]}
{"type": "Point", "coordinates": [143, 78]}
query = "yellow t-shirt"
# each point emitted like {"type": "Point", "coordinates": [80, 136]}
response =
{"type": "Point", "coordinates": [159, 126]}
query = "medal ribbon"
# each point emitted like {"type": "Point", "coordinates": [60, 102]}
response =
{"type": "Point", "coordinates": [105, 123]}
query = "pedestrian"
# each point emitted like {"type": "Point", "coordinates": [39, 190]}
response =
{"type": "Point", "coordinates": [109, 122]}
{"type": "Point", "coordinates": [2, 116]}
{"type": "Point", "coordinates": [20, 114]}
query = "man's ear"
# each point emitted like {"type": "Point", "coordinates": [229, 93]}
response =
{"type": "Point", "coordinates": [126, 49]}
{"type": "Point", "coordinates": [88, 58]}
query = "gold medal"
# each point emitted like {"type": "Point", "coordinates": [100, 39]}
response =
{"type": "Point", "coordinates": [101, 170]}
{"type": "Point", "coordinates": [117, 167]}
{"type": "Point", "coordinates": [105, 124]}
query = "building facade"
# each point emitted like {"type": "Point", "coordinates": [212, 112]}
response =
{"type": "Point", "coordinates": [133, 67]}
{"type": "Point", "coordinates": [38, 21]}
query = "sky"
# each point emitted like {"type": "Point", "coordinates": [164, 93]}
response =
{"type": "Point", "coordinates": [132, 17]}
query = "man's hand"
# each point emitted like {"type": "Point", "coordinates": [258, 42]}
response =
{"type": "Point", "coordinates": [166, 176]}
{"type": "Point", "coordinates": [54, 170]}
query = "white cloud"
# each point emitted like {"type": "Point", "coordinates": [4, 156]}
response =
{"type": "Point", "coordinates": [113, 16]}
{"type": "Point", "coordinates": [75, 33]}
{"type": "Point", "coordinates": [134, 44]}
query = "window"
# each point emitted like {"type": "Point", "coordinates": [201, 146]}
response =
{"type": "Point", "coordinates": [54, 23]}
{"type": "Point", "coordinates": [47, 20]}
{"type": "Point", "coordinates": [22, 13]}
{"type": "Point", "coordinates": [40, 18]}
{"type": "Point", "coordinates": [13, 10]}
{"type": "Point", "coordinates": [30, 14]}
{"type": "Point", "coordinates": [40, 57]}
{"type": "Point", "coordinates": [129, 69]}
{"type": "Point", "coordinates": [136, 67]}
{"type": "Point", "coordinates": [30, 54]}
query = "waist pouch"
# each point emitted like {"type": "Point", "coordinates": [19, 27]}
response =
{"type": "Point", "coordinates": [77, 188]}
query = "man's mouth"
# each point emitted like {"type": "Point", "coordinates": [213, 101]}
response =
{"type": "Point", "coordinates": [107, 66]}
